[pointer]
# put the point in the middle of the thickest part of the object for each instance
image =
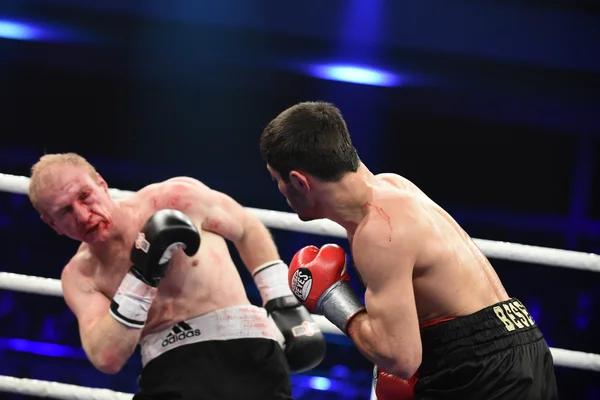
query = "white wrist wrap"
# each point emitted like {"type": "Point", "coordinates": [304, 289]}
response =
{"type": "Point", "coordinates": [132, 302]}
{"type": "Point", "coordinates": [272, 280]}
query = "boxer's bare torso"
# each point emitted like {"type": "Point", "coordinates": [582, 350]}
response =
{"type": "Point", "coordinates": [450, 275]}
{"type": "Point", "coordinates": [192, 286]}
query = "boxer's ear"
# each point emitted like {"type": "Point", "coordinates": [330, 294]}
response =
{"type": "Point", "coordinates": [101, 182]}
{"type": "Point", "coordinates": [300, 182]}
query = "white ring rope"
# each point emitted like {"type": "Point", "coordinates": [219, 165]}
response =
{"type": "Point", "coordinates": [52, 287]}
{"type": "Point", "coordinates": [291, 222]}
{"type": "Point", "coordinates": [30, 284]}
{"type": "Point", "coordinates": [56, 390]}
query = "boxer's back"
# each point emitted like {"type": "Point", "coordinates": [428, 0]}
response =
{"type": "Point", "coordinates": [451, 276]}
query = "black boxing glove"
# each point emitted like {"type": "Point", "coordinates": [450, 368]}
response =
{"type": "Point", "coordinates": [165, 232]}
{"type": "Point", "coordinates": [303, 341]}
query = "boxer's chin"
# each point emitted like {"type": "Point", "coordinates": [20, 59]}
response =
{"type": "Point", "coordinates": [304, 217]}
{"type": "Point", "coordinates": [100, 234]}
{"type": "Point", "coordinates": [302, 211]}
{"type": "Point", "coordinates": [299, 212]}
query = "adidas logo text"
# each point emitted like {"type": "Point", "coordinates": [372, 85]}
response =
{"type": "Point", "coordinates": [178, 335]}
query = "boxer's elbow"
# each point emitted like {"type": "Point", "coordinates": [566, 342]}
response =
{"type": "Point", "coordinates": [107, 362]}
{"type": "Point", "coordinates": [400, 359]}
{"type": "Point", "coordinates": [105, 358]}
{"type": "Point", "coordinates": [404, 365]}
{"type": "Point", "coordinates": [108, 368]}
{"type": "Point", "coordinates": [107, 343]}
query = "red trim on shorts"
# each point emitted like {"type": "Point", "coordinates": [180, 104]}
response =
{"type": "Point", "coordinates": [437, 321]}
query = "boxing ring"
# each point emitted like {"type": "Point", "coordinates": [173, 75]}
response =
{"type": "Point", "coordinates": [286, 221]}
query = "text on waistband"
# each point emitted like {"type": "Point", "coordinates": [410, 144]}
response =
{"type": "Point", "coordinates": [514, 315]}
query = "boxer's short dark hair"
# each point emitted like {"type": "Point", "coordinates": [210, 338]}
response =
{"type": "Point", "coordinates": [311, 137]}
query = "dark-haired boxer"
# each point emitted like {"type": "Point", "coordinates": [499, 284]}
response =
{"type": "Point", "coordinates": [436, 321]}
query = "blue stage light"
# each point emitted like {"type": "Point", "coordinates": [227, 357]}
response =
{"type": "Point", "coordinates": [319, 383]}
{"type": "Point", "coordinates": [18, 30]}
{"type": "Point", "coordinates": [355, 74]}
{"type": "Point", "coordinates": [43, 31]}
{"type": "Point", "coordinates": [41, 348]}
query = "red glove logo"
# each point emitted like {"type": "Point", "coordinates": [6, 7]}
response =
{"type": "Point", "coordinates": [301, 283]}
{"type": "Point", "coordinates": [313, 270]}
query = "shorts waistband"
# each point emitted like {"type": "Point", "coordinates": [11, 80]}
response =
{"type": "Point", "coordinates": [237, 322]}
{"type": "Point", "coordinates": [437, 321]}
{"type": "Point", "coordinates": [495, 328]}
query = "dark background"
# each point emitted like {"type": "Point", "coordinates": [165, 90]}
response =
{"type": "Point", "coordinates": [496, 118]}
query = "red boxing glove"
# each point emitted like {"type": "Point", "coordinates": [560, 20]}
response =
{"type": "Point", "coordinates": [319, 280]}
{"type": "Point", "coordinates": [313, 270]}
{"type": "Point", "coordinates": [390, 387]}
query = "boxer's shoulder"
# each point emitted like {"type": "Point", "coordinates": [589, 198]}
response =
{"type": "Point", "coordinates": [393, 223]}
{"type": "Point", "coordinates": [177, 193]}
{"type": "Point", "coordinates": [394, 180]}
{"type": "Point", "coordinates": [388, 177]}
{"type": "Point", "coordinates": [396, 187]}
{"type": "Point", "coordinates": [389, 221]}
{"type": "Point", "coordinates": [177, 186]}
{"type": "Point", "coordinates": [392, 206]}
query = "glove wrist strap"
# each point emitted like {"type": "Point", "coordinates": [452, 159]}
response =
{"type": "Point", "coordinates": [281, 303]}
{"type": "Point", "coordinates": [272, 280]}
{"type": "Point", "coordinates": [339, 304]}
{"type": "Point", "coordinates": [131, 303]}
{"type": "Point", "coordinates": [139, 275]}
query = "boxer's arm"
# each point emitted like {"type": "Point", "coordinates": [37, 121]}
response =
{"type": "Point", "coordinates": [388, 333]}
{"type": "Point", "coordinates": [226, 217]}
{"type": "Point", "coordinates": [250, 236]}
{"type": "Point", "coordinates": [107, 343]}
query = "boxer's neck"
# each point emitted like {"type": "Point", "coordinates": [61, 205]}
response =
{"type": "Point", "coordinates": [343, 201]}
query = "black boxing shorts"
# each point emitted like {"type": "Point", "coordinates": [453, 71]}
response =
{"type": "Point", "coordinates": [496, 353]}
{"type": "Point", "coordinates": [226, 354]}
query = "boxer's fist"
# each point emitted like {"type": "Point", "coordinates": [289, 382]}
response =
{"type": "Point", "coordinates": [165, 232]}
{"type": "Point", "coordinates": [390, 387]}
{"type": "Point", "coordinates": [313, 271]}
{"type": "Point", "coordinates": [304, 344]}
{"type": "Point", "coordinates": [319, 280]}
